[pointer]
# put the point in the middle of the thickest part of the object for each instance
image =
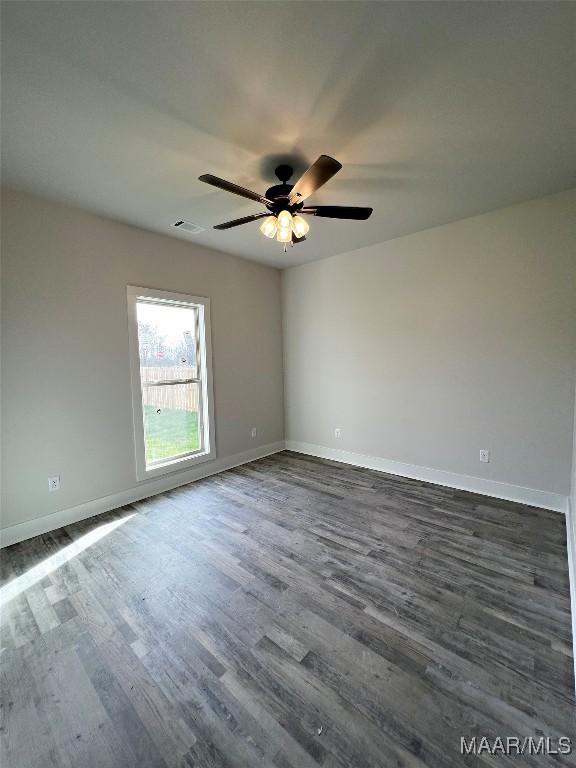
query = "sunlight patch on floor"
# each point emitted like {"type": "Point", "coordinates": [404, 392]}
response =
{"type": "Point", "coordinates": [26, 580]}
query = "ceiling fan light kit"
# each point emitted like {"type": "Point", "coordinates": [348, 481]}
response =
{"type": "Point", "coordinates": [284, 218]}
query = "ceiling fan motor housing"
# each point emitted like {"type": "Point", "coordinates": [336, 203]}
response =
{"type": "Point", "coordinates": [279, 194]}
{"type": "Point", "coordinates": [279, 197]}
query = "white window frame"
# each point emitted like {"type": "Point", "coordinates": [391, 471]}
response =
{"type": "Point", "coordinates": [206, 415]}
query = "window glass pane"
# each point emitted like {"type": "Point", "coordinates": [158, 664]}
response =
{"type": "Point", "coordinates": [171, 419]}
{"type": "Point", "coordinates": [167, 341]}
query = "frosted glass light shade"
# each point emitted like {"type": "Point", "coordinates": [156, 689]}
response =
{"type": "Point", "coordinates": [269, 226]}
{"type": "Point", "coordinates": [284, 235]}
{"type": "Point", "coordinates": [300, 226]}
{"type": "Point", "coordinates": [285, 220]}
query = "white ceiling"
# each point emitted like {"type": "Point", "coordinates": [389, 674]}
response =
{"type": "Point", "coordinates": [437, 111]}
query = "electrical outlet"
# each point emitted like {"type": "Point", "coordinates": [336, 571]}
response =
{"type": "Point", "coordinates": [485, 456]}
{"type": "Point", "coordinates": [254, 432]}
{"type": "Point", "coordinates": [54, 483]}
{"type": "Point", "coordinates": [338, 432]}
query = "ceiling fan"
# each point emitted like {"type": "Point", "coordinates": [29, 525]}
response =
{"type": "Point", "coordinates": [285, 202]}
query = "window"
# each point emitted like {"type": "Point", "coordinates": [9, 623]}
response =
{"type": "Point", "coordinates": [171, 380]}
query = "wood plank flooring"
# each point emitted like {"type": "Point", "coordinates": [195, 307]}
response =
{"type": "Point", "coordinates": [292, 613]}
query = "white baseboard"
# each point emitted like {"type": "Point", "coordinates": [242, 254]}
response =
{"type": "Point", "coordinates": [26, 530]}
{"type": "Point", "coordinates": [531, 496]}
{"type": "Point", "coordinates": [571, 538]}
{"type": "Point", "coordinates": [14, 533]}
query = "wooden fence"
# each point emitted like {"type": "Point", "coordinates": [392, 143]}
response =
{"type": "Point", "coordinates": [182, 397]}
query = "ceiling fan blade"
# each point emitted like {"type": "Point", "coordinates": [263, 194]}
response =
{"type": "Point", "coordinates": [296, 240]}
{"type": "Point", "coordinates": [318, 174]}
{"type": "Point", "coordinates": [227, 186]}
{"type": "Point", "coordinates": [339, 212]}
{"type": "Point", "coordinates": [244, 220]}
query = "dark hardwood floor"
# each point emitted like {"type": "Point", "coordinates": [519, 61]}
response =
{"type": "Point", "coordinates": [293, 613]}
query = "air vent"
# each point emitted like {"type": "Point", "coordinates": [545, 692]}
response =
{"type": "Point", "coordinates": [187, 226]}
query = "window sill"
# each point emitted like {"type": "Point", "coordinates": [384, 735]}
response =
{"type": "Point", "coordinates": [176, 465]}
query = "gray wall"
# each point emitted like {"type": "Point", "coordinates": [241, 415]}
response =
{"type": "Point", "coordinates": [427, 348]}
{"type": "Point", "coordinates": [66, 380]}
{"type": "Point", "coordinates": [423, 349]}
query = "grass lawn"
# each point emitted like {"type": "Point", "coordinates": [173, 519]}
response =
{"type": "Point", "coordinates": [169, 433]}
